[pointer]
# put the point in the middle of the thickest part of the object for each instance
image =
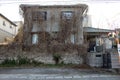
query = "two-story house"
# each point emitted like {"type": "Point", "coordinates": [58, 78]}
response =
{"type": "Point", "coordinates": [7, 28]}
{"type": "Point", "coordinates": [60, 23]}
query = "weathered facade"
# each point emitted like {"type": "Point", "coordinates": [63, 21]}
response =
{"type": "Point", "coordinates": [55, 24]}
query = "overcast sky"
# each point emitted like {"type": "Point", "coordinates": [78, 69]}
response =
{"type": "Point", "coordinates": [104, 13]}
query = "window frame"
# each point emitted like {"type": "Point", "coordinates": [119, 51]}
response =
{"type": "Point", "coordinates": [39, 15]}
{"type": "Point", "coordinates": [36, 40]}
{"type": "Point", "coordinates": [64, 15]}
{"type": "Point", "coordinates": [4, 24]}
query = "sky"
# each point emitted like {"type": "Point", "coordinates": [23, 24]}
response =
{"type": "Point", "coordinates": [103, 13]}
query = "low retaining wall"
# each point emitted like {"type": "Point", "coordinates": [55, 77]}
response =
{"type": "Point", "coordinates": [13, 52]}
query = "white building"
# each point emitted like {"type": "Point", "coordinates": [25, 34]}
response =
{"type": "Point", "coordinates": [7, 28]}
{"type": "Point", "coordinates": [87, 21]}
{"type": "Point", "coordinates": [19, 25]}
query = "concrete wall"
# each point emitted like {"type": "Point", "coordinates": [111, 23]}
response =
{"type": "Point", "coordinates": [47, 58]}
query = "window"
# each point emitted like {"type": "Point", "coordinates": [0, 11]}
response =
{"type": "Point", "coordinates": [54, 34]}
{"type": "Point", "coordinates": [10, 26]}
{"type": "Point", "coordinates": [39, 15]}
{"type": "Point", "coordinates": [67, 15]}
{"type": "Point", "coordinates": [4, 23]}
{"type": "Point", "coordinates": [72, 38]}
{"type": "Point", "coordinates": [35, 39]}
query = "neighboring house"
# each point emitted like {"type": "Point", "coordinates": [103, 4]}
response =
{"type": "Point", "coordinates": [19, 32]}
{"type": "Point", "coordinates": [7, 28]}
{"type": "Point", "coordinates": [59, 23]}
{"type": "Point", "coordinates": [87, 21]}
{"type": "Point", "coordinates": [19, 25]}
{"type": "Point", "coordinates": [95, 37]}
{"type": "Point", "coordinates": [90, 32]}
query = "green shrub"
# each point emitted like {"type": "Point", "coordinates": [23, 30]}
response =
{"type": "Point", "coordinates": [23, 60]}
{"type": "Point", "coordinates": [9, 62]}
{"type": "Point", "coordinates": [20, 61]}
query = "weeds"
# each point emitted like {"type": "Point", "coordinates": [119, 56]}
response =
{"type": "Point", "coordinates": [23, 60]}
{"type": "Point", "coordinates": [9, 62]}
{"type": "Point", "coordinates": [19, 62]}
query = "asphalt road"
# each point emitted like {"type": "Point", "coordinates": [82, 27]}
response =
{"type": "Point", "coordinates": [55, 74]}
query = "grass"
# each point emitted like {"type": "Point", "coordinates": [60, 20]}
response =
{"type": "Point", "coordinates": [20, 61]}
{"type": "Point", "coordinates": [25, 62]}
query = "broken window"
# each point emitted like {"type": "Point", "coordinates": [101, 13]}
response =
{"type": "Point", "coordinates": [67, 15]}
{"type": "Point", "coordinates": [39, 16]}
{"type": "Point", "coordinates": [35, 38]}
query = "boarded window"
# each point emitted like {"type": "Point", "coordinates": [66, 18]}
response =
{"type": "Point", "coordinates": [39, 16]}
{"type": "Point", "coordinates": [35, 39]}
{"type": "Point", "coordinates": [67, 15]}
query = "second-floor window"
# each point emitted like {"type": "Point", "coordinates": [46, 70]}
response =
{"type": "Point", "coordinates": [67, 15]}
{"type": "Point", "coordinates": [4, 23]}
{"type": "Point", "coordinates": [10, 26]}
{"type": "Point", "coordinates": [39, 16]}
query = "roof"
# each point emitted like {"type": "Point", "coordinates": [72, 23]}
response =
{"type": "Point", "coordinates": [56, 5]}
{"type": "Point", "coordinates": [7, 19]}
{"type": "Point", "coordinates": [23, 6]}
{"type": "Point", "coordinates": [91, 29]}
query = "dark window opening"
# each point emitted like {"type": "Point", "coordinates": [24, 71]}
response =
{"type": "Point", "coordinates": [4, 23]}
{"type": "Point", "coordinates": [55, 35]}
{"type": "Point", "coordinates": [67, 15]}
{"type": "Point", "coordinates": [10, 26]}
{"type": "Point", "coordinates": [39, 16]}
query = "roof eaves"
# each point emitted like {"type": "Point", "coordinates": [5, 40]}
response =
{"type": "Point", "coordinates": [7, 19]}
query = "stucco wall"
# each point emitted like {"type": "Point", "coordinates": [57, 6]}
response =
{"type": "Point", "coordinates": [4, 34]}
{"type": "Point", "coordinates": [7, 25]}
{"type": "Point", "coordinates": [7, 30]}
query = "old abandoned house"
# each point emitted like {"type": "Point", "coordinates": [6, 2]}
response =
{"type": "Point", "coordinates": [53, 24]}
